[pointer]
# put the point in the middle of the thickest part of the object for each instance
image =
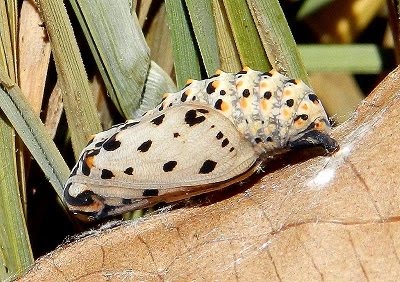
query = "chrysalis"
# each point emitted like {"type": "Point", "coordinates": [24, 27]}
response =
{"type": "Point", "coordinates": [212, 133]}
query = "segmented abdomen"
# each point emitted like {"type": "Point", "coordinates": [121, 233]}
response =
{"type": "Point", "coordinates": [267, 107]}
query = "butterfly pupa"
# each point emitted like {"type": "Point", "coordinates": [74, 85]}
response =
{"type": "Point", "coordinates": [212, 133]}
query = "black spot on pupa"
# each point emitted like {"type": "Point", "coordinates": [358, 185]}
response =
{"type": "Point", "coordinates": [161, 107]}
{"type": "Point", "coordinates": [290, 102]}
{"type": "Point", "coordinates": [242, 72]}
{"type": "Point", "coordinates": [222, 92]}
{"type": "Point", "coordinates": [145, 146]}
{"type": "Point", "coordinates": [203, 111]}
{"type": "Point", "coordinates": [106, 174]}
{"type": "Point", "coordinates": [246, 93]}
{"type": "Point", "coordinates": [267, 95]}
{"type": "Point", "coordinates": [292, 81]}
{"type": "Point", "coordinates": [231, 149]}
{"type": "Point", "coordinates": [169, 166]}
{"type": "Point", "coordinates": [313, 98]}
{"type": "Point", "coordinates": [207, 167]}
{"type": "Point", "coordinates": [218, 104]}
{"type": "Point", "coordinates": [184, 97]}
{"type": "Point", "coordinates": [100, 143]}
{"type": "Point", "coordinates": [93, 153]}
{"type": "Point", "coordinates": [219, 135]}
{"type": "Point", "coordinates": [269, 139]}
{"type": "Point", "coordinates": [176, 134]}
{"type": "Point", "coordinates": [225, 142]}
{"type": "Point", "coordinates": [303, 117]}
{"type": "Point", "coordinates": [212, 126]}
{"type": "Point", "coordinates": [267, 73]}
{"type": "Point", "coordinates": [129, 170]}
{"type": "Point", "coordinates": [257, 140]}
{"type": "Point", "coordinates": [128, 125]}
{"type": "Point", "coordinates": [150, 192]}
{"type": "Point", "coordinates": [85, 168]}
{"type": "Point", "coordinates": [170, 105]}
{"type": "Point", "coordinates": [193, 98]}
{"type": "Point", "coordinates": [158, 120]}
{"type": "Point", "coordinates": [126, 201]}
{"type": "Point", "coordinates": [210, 88]}
{"type": "Point", "coordinates": [191, 118]}
{"type": "Point", "coordinates": [111, 144]}
{"type": "Point", "coordinates": [82, 199]}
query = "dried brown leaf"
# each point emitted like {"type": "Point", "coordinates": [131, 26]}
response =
{"type": "Point", "coordinates": [324, 218]}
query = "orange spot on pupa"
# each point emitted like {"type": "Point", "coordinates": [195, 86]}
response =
{"type": "Point", "coordinates": [216, 83]}
{"type": "Point", "coordinates": [218, 71]}
{"type": "Point", "coordinates": [286, 113]}
{"type": "Point", "coordinates": [287, 92]}
{"type": "Point", "coordinates": [263, 84]}
{"type": "Point", "coordinates": [298, 81]}
{"type": "Point", "coordinates": [239, 83]}
{"type": "Point", "coordinates": [304, 107]}
{"type": "Point", "coordinates": [224, 106]}
{"type": "Point", "coordinates": [264, 104]}
{"type": "Point", "coordinates": [89, 161]}
{"type": "Point", "coordinates": [243, 103]}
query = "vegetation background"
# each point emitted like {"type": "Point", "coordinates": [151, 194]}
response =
{"type": "Point", "coordinates": [69, 70]}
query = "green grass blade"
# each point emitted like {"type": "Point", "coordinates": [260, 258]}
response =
{"type": "Point", "coordinates": [229, 57]}
{"type": "Point", "coordinates": [119, 48]}
{"type": "Point", "coordinates": [186, 57]}
{"type": "Point", "coordinates": [158, 82]}
{"type": "Point", "coordinates": [202, 20]}
{"type": "Point", "coordinates": [33, 133]}
{"type": "Point", "coordinates": [78, 100]}
{"type": "Point", "coordinates": [15, 251]}
{"type": "Point", "coordinates": [247, 40]}
{"type": "Point", "coordinates": [310, 7]}
{"type": "Point", "coordinates": [351, 58]}
{"type": "Point", "coordinates": [277, 38]}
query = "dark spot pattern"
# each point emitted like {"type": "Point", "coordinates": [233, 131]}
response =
{"type": "Point", "coordinates": [246, 93]}
{"type": "Point", "coordinates": [176, 134]}
{"type": "Point", "coordinates": [111, 144]}
{"type": "Point", "coordinates": [161, 107]}
{"type": "Point", "coordinates": [184, 97]}
{"type": "Point", "coordinates": [219, 135]}
{"type": "Point", "coordinates": [313, 98]}
{"type": "Point", "coordinates": [225, 142]}
{"type": "Point", "coordinates": [193, 98]}
{"type": "Point", "coordinates": [231, 149]}
{"type": "Point", "coordinates": [82, 199]}
{"type": "Point", "coordinates": [267, 73]}
{"type": "Point", "coordinates": [257, 140]}
{"type": "Point", "coordinates": [150, 193]}
{"type": "Point", "coordinates": [210, 88]}
{"type": "Point", "coordinates": [290, 102]}
{"type": "Point", "coordinates": [218, 104]}
{"type": "Point", "coordinates": [93, 153]}
{"type": "Point", "coordinates": [106, 174]}
{"type": "Point", "coordinates": [269, 139]}
{"type": "Point", "coordinates": [169, 166]}
{"type": "Point", "coordinates": [303, 117]}
{"type": "Point", "coordinates": [100, 143]}
{"type": "Point", "coordinates": [292, 81]}
{"type": "Point", "coordinates": [145, 146]}
{"type": "Point", "coordinates": [128, 125]}
{"type": "Point", "coordinates": [207, 167]}
{"type": "Point", "coordinates": [203, 111]}
{"type": "Point", "coordinates": [191, 118]}
{"type": "Point", "coordinates": [212, 126]}
{"type": "Point", "coordinates": [222, 92]}
{"type": "Point", "coordinates": [129, 171]}
{"type": "Point", "coordinates": [158, 120]}
{"type": "Point", "coordinates": [126, 201]}
{"type": "Point", "coordinates": [267, 95]}
{"type": "Point", "coordinates": [242, 72]}
{"type": "Point", "coordinates": [85, 168]}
